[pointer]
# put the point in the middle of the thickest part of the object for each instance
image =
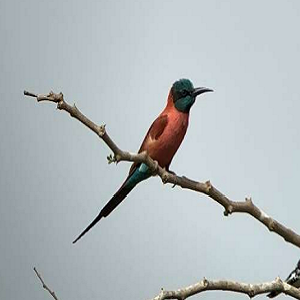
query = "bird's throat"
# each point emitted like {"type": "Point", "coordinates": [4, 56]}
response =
{"type": "Point", "coordinates": [184, 104]}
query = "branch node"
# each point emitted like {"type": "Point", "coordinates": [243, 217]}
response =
{"type": "Point", "coordinates": [73, 111]}
{"type": "Point", "coordinates": [249, 203]}
{"type": "Point", "coordinates": [161, 294]}
{"type": "Point", "coordinates": [60, 106]}
{"type": "Point", "coordinates": [208, 185]}
{"type": "Point", "coordinates": [205, 282]}
{"type": "Point", "coordinates": [60, 101]}
{"type": "Point", "coordinates": [101, 130]}
{"type": "Point", "coordinates": [271, 225]}
{"type": "Point", "coordinates": [251, 293]}
{"type": "Point", "coordinates": [165, 177]}
{"type": "Point", "coordinates": [228, 210]}
{"type": "Point", "coordinates": [278, 280]}
{"type": "Point", "coordinates": [113, 158]}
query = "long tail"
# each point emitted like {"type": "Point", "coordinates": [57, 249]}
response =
{"type": "Point", "coordinates": [118, 197]}
{"type": "Point", "coordinates": [137, 174]}
{"type": "Point", "coordinates": [273, 294]}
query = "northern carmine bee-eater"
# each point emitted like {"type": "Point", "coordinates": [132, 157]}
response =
{"type": "Point", "coordinates": [161, 141]}
{"type": "Point", "coordinates": [293, 279]}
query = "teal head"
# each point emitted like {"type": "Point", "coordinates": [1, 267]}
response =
{"type": "Point", "coordinates": [184, 94]}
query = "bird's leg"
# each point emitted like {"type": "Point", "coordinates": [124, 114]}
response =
{"type": "Point", "coordinates": [155, 168]}
{"type": "Point", "coordinates": [171, 172]}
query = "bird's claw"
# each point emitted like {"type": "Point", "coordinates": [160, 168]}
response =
{"type": "Point", "coordinates": [164, 178]}
{"type": "Point", "coordinates": [156, 166]}
{"type": "Point", "coordinates": [154, 169]}
{"type": "Point", "coordinates": [172, 173]}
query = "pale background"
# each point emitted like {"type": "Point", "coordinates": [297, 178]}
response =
{"type": "Point", "coordinates": [117, 60]}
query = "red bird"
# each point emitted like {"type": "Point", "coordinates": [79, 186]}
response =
{"type": "Point", "coordinates": [161, 142]}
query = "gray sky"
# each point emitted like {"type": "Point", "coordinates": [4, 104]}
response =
{"type": "Point", "coordinates": [117, 60]}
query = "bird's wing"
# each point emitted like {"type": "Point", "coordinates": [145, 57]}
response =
{"type": "Point", "coordinates": [154, 132]}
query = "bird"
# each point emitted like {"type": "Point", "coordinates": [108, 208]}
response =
{"type": "Point", "coordinates": [161, 142]}
{"type": "Point", "coordinates": [293, 279]}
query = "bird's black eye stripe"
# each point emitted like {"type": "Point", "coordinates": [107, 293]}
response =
{"type": "Point", "coordinates": [184, 93]}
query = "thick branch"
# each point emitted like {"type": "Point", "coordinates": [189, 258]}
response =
{"type": "Point", "coordinates": [44, 284]}
{"type": "Point", "coordinates": [205, 188]}
{"type": "Point", "coordinates": [224, 285]}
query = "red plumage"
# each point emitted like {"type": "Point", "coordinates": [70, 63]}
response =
{"type": "Point", "coordinates": [166, 134]}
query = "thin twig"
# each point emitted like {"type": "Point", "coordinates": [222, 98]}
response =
{"type": "Point", "coordinates": [226, 285]}
{"type": "Point", "coordinates": [207, 188]}
{"type": "Point", "coordinates": [44, 284]}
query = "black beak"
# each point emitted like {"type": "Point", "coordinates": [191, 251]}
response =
{"type": "Point", "coordinates": [200, 90]}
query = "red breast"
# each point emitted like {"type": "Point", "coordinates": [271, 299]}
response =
{"type": "Point", "coordinates": [164, 148]}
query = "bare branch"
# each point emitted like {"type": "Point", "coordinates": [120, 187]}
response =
{"type": "Point", "coordinates": [251, 290]}
{"type": "Point", "coordinates": [44, 284]}
{"type": "Point", "coordinates": [182, 181]}
{"type": "Point", "coordinates": [224, 285]}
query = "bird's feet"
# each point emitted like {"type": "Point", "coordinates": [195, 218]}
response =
{"type": "Point", "coordinates": [173, 173]}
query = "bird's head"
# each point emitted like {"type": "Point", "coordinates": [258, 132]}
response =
{"type": "Point", "coordinates": [184, 94]}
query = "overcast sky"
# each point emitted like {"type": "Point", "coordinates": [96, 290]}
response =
{"type": "Point", "coordinates": [117, 60]}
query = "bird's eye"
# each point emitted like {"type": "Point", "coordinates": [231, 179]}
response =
{"type": "Point", "coordinates": [184, 93]}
